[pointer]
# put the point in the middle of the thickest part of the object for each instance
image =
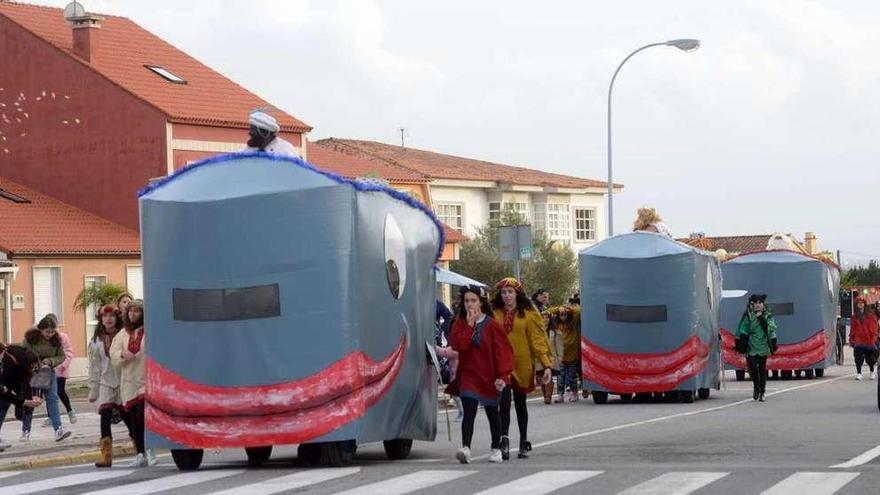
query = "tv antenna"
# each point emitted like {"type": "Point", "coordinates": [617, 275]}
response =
{"type": "Point", "coordinates": [403, 135]}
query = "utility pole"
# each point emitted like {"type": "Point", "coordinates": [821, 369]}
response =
{"type": "Point", "coordinates": [402, 132]}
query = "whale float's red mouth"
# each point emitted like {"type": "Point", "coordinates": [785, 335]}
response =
{"type": "Point", "coordinates": [204, 416]}
{"type": "Point", "coordinates": [633, 373]}
{"type": "Point", "coordinates": [794, 356]}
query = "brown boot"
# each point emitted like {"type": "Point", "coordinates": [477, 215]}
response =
{"type": "Point", "coordinates": [106, 453]}
{"type": "Point", "coordinates": [547, 388]}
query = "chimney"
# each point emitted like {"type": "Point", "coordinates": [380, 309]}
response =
{"type": "Point", "coordinates": [810, 242]}
{"type": "Point", "coordinates": [86, 33]}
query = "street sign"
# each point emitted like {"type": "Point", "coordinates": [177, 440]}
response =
{"type": "Point", "coordinates": [515, 244]}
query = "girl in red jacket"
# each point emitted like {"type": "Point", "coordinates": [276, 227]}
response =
{"type": "Point", "coordinates": [485, 360]}
{"type": "Point", "coordinates": [863, 337]}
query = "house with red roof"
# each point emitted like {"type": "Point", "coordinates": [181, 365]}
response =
{"type": "Point", "coordinates": [467, 193]}
{"type": "Point", "coordinates": [50, 251]}
{"type": "Point", "coordinates": [94, 106]}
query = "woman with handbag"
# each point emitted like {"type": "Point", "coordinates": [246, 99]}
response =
{"type": "Point", "coordinates": [16, 367]}
{"type": "Point", "coordinates": [863, 337]}
{"type": "Point", "coordinates": [756, 338]}
{"type": "Point", "coordinates": [45, 343]}
{"type": "Point", "coordinates": [104, 377]}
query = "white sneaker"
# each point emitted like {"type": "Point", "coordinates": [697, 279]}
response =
{"type": "Point", "coordinates": [47, 423]}
{"type": "Point", "coordinates": [464, 455]}
{"type": "Point", "coordinates": [25, 436]}
{"type": "Point", "coordinates": [4, 445]}
{"type": "Point", "coordinates": [873, 375]}
{"type": "Point", "coordinates": [859, 377]}
{"type": "Point", "coordinates": [61, 434]}
{"type": "Point", "coordinates": [138, 462]}
{"type": "Point", "coordinates": [495, 456]}
{"type": "Point", "coordinates": [152, 460]}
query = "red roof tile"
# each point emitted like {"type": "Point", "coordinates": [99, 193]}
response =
{"type": "Point", "coordinates": [442, 166]}
{"type": "Point", "coordinates": [122, 50]}
{"type": "Point", "coordinates": [47, 226]}
{"type": "Point", "coordinates": [453, 235]}
{"type": "Point", "coordinates": [342, 161]}
{"type": "Point", "coordinates": [734, 244]}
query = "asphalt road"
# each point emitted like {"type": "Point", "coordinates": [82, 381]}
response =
{"type": "Point", "coordinates": [793, 443]}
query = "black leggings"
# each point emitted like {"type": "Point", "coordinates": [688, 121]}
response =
{"type": "Point", "coordinates": [106, 421]}
{"type": "Point", "coordinates": [864, 356]}
{"type": "Point", "coordinates": [134, 420]}
{"type": "Point", "coordinates": [758, 372]}
{"type": "Point", "coordinates": [62, 392]}
{"type": "Point", "coordinates": [470, 407]}
{"type": "Point", "coordinates": [522, 413]}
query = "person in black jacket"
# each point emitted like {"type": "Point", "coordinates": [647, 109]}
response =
{"type": "Point", "coordinates": [16, 367]}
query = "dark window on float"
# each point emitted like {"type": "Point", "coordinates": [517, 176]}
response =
{"type": "Point", "coordinates": [246, 303]}
{"type": "Point", "coordinates": [635, 314]}
{"type": "Point", "coordinates": [782, 309]}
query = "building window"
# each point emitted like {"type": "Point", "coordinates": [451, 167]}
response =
{"type": "Point", "coordinates": [91, 320]}
{"type": "Point", "coordinates": [166, 74]}
{"type": "Point", "coordinates": [520, 208]}
{"type": "Point", "coordinates": [134, 281]}
{"type": "Point", "coordinates": [539, 218]}
{"type": "Point", "coordinates": [584, 224]}
{"type": "Point", "coordinates": [451, 214]}
{"type": "Point", "coordinates": [47, 292]}
{"type": "Point", "coordinates": [558, 222]}
{"type": "Point", "coordinates": [494, 211]}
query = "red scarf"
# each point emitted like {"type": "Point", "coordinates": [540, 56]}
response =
{"type": "Point", "coordinates": [509, 317]}
{"type": "Point", "coordinates": [135, 337]}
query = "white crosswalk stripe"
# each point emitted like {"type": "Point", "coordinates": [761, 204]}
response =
{"type": "Point", "coordinates": [408, 483]}
{"type": "Point", "coordinates": [169, 482]}
{"type": "Point", "coordinates": [62, 482]}
{"type": "Point", "coordinates": [284, 483]}
{"type": "Point", "coordinates": [540, 483]}
{"type": "Point", "coordinates": [811, 484]}
{"type": "Point", "coordinates": [8, 474]}
{"type": "Point", "coordinates": [675, 483]}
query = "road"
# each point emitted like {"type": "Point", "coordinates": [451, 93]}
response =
{"type": "Point", "coordinates": [808, 438]}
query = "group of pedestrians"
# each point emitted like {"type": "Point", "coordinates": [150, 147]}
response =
{"type": "Point", "coordinates": [501, 349]}
{"type": "Point", "coordinates": [35, 372]}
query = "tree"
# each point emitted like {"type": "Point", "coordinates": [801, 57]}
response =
{"type": "Point", "coordinates": [553, 265]}
{"type": "Point", "coordinates": [862, 275]}
{"type": "Point", "coordinates": [97, 294]}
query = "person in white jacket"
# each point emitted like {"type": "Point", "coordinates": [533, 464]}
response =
{"type": "Point", "coordinates": [264, 135]}
{"type": "Point", "coordinates": [104, 377]}
{"type": "Point", "coordinates": [128, 355]}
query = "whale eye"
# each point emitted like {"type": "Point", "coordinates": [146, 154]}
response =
{"type": "Point", "coordinates": [395, 257]}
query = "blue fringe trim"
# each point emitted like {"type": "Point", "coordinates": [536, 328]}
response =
{"type": "Point", "coordinates": [299, 162]}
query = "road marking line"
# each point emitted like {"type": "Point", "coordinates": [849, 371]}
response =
{"type": "Point", "coordinates": [672, 416]}
{"type": "Point", "coordinates": [540, 483]}
{"type": "Point", "coordinates": [859, 459]}
{"type": "Point", "coordinates": [62, 482]}
{"type": "Point", "coordinates": [167, 482]}
{"type": "Point", "coordinates": [675, 483]}
{"type": "Point", "coordinates": [811, 484]}
{"type": "Point", "coordinates": [408, 483]}
{"type": "Point", "coordinates": [8, 474]}
{"type": "Point", "coordinates": [284, 483]}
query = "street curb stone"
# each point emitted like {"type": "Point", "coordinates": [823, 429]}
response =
{"type": "Point", "coordinates": [82, 457]}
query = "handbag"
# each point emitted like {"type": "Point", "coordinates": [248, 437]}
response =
{"type": "Point", "coordinates": [42, 379]}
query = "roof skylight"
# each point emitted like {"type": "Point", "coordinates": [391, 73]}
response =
{"type": "Point", "coordinates": [166, 74]}
{"type": "Point", "coordinates": [15, 198]}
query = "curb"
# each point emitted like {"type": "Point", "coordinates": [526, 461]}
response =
{"type": "Point", "coordinates": [82, 457]}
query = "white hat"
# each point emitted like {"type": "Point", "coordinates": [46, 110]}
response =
{"type": "Point", "coordinates": [264, 121]}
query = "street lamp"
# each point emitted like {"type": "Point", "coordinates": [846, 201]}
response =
{"type": "Point", "coordinates": [686, 45]}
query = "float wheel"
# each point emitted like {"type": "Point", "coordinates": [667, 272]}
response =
{"type": "Point", "coordinates": [600, 397]}
{"type": "Point", "coordinates": [808, 374]}
{"type": "Point", "coordinates": [187, 459]}
{"type": "Point", "coordinates": [257, 456]}
{"type": "Point", "coordinates": [740, 375]}
{"type": "Point", "coordinates": [626, 397]}
{"type": "Point", "coordinates": [687, 396]}
{"type": "Point", "coordinates": [703, 393]}
{"type": "Point", "coordinates": [399, 448]}
{"type": "Point", "coordinates": [820, 372]}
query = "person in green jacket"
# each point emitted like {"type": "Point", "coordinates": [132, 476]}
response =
{"type": "Point", "coordinates": [44, 342]}
{"type": "Point", "coordinates": [756, 338]}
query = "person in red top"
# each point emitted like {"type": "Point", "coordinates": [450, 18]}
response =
{"type": "Point", "coordinates": [863, 337]}
{"type": "Point", "coordinates": [485, 361]}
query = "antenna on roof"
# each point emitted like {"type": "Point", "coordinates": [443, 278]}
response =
{"type": "Point", "coordinates": [403, 134]}
{"type": "Point", "coordinates": [73, 10]}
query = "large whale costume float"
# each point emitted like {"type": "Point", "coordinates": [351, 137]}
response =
{"type": "Point", "coordinates": [286, 305]}
{"type": "Point", "coordinates": [649, 317]}
{"type": "Point", "coordinates": [802, 295]}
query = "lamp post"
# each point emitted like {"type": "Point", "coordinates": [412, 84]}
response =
{"type": "Point", "coordinates": [686, 45]}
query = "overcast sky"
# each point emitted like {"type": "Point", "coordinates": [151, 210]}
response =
{"type": "Point", "coordinates": [771, 126]}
